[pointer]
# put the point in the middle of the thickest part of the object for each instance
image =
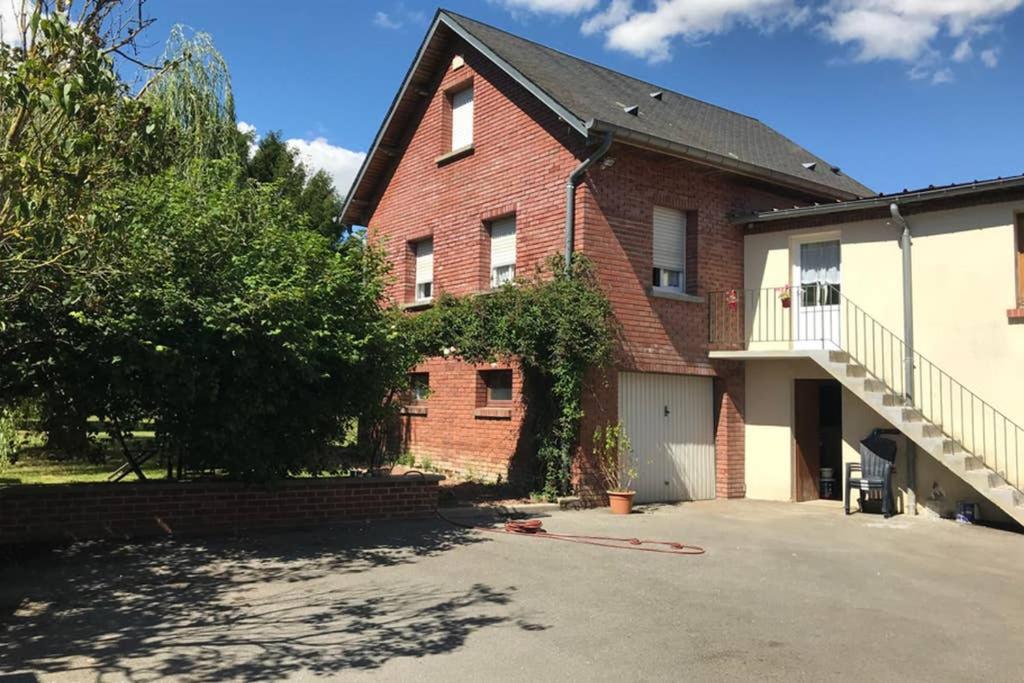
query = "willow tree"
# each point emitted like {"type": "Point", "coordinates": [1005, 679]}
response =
{"type": "Point", "coordinates": [193, 94]}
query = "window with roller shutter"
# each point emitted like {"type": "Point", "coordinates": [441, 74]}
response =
{"type": "Point", "coordinates": [425, 270]}
{"type": "Point", "coordinates": [669, 267]}
{"type": "Point", "coordinates": [462, 119]}
{"type": "Point", "coordinates": [503, 251]}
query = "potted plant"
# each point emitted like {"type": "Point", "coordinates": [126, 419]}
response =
{"type": "Point", "coordinates": [786, 296]}
{"type": "Point", "coordinates": [616, 465]}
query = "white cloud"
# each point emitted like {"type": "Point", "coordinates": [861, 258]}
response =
{"type": "Point", "coordinates": [398, 17]}
{"type": "Point", "coordinates": [551, 6]}
{"type": "Point", "coordinates": [990, 57]}
{"type": "Point", "coordinates": [11, 13]}
{"type": "Point", "coordinates": [384, 20]}
{"type": "Point", "coordinates": [649, 33]}
{"type": "Point", "coordinates": [906, 30]}
{"type": "Point", "coordinates": [963, 51]}
{"type": "Point", "coordinates": [245, 128]}
{"type": "Point", "coordinates": [942, 76]}
{"type": "Point", "coordinates": [339, 163]}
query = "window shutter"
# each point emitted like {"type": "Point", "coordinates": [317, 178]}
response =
{"type": "Point", "coordinates": [425, 261]}
{"type": "Point", "coordinates": [503, 242]}
{"type": "Point", "coordinates": [669, 239]}
{"type": "Point", "coordinates": [462, 118]}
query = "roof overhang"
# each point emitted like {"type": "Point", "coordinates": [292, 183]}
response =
{"type": "Point", "coordinates": [418, 84]}
{"type": "Point", "coordinates": [644, 141]}
{"type": "Point", "coordinates": [917, 199]}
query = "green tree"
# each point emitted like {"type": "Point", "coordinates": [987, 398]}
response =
{"type": "Point", "coordinates": [245, 336]}
{"type": "Point", "coordinates": [315, 196]}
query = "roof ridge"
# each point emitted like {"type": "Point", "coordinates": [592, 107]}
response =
{"type": "Point", "coordinates": [456, 16]}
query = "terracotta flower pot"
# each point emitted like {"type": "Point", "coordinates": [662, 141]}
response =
{"type": "Point", "coordinates": [621, 502]}
{"type": "Point", "coordinates": [786, 302]}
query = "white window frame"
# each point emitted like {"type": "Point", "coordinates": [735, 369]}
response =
{"type": "Point", "coordinates": [424, 270]}
{"type": "Point", "coordinates": [503, 258]}
{"type": "Point", "coordinates": [462, 104]}
{"type": "Point", "coordinates": [671, 266]}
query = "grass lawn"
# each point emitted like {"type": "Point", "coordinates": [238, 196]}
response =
{"type": "Point", "coordinates": [42, 468]}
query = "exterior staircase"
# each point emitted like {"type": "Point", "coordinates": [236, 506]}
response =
{"type": "Point", "coordinates": [945, 419]}
{"type": "Point", "coordinates": [928, 437]}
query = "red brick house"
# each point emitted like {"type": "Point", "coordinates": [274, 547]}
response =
{"type": "Point", "coordinates": [498, 152]}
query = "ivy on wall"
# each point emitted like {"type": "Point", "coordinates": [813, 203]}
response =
{"type": "Point", "coordinates": [558, 325]}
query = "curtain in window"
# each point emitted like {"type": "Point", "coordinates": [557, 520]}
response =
{"type": "Point", "coordinates": [819, 263]}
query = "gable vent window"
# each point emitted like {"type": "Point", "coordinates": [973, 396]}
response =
{"type": "Point", "coordinates": [503, 251]}
{"type": "Point", "coordinates": [424, 270]}
{"type": "Point", "coordinates": [462, 119]}
{"type": "Point", "coordinates": [669, 250]}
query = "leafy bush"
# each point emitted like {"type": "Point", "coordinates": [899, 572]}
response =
{"type": "Point", "coordinates": [246, 337]}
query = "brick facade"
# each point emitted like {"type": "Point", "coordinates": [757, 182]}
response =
{"type": "Point", "coordinates": [521, 159]}
{"type": "Point", "coordinates": [75, 512]}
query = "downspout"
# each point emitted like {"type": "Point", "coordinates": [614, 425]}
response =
{"type": "Point", "coordinates": [570, 196]}
{"type": "Point", "coordinates": [908, 345]}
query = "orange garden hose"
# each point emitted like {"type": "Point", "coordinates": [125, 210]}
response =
{"type": "Point", "coordinates": [534, 528]}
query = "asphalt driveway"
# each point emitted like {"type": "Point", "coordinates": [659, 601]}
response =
{"type": "Point", "coordinates": [785, 591]}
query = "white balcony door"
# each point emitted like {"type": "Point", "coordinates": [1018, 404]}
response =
{"type": "Point", "coordinates": [816, 294]}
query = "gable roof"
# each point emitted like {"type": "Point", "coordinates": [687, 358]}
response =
{"type": "Point", "coordinates": [591, 99]}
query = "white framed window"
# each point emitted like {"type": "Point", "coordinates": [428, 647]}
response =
{"type": "Point", "coordinates": [425, 270]}
{"type": "Point", "coordinates": [669, 271]}
{"type": "Point", "coordinates": [503, 251]}
{"type": "Point", "coordinates": [462, 118]}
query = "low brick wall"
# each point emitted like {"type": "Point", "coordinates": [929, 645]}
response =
{"type": "Point", "coordinates": [48, 513]}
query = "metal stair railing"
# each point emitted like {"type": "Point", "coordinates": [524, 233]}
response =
{"type": "Point", "coordinates": [739, 318]}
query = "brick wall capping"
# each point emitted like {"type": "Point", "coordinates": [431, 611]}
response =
{"type": "Point", "coordinates": [149, 486]}
{"type": "Point", "coordinates": [1015, 316]}
{"type": "Point", "coordinates": [453, 155]}
{"type": "Point", "coordinates": [675, 296]}
{"type": "Point", "coordinates": [492, 413]}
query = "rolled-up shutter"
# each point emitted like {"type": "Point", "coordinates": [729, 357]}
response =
{"type": "Point", "coordinates": [669, 239]}
{"type": "Point", "coordinates": [503, 242]}
{"type": "Point", "coordinates": [462, 118]}
{"type": "Point", "coordinates": [425, 261]}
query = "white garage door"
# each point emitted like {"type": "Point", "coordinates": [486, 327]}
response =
{"type": "Point", "coordinates": [670, 422]}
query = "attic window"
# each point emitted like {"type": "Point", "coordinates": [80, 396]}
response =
{"type": "Point", "coordinates": [657, 95]}
{"type": "Point", "coordinates": [632, 109]}
{"type": "Point", "coordinates": [810, 165]}
{"type": "Point", "coordinates": [836, 170]}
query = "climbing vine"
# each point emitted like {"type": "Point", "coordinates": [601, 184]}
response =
{"type": "Point", "coordinates": [558, 326]}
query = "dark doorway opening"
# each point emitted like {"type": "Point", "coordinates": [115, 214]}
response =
{"type": "Point", "coordinates": [818, 436]}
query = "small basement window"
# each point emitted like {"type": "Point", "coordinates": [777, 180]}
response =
{"type": "Point", "coordinates": [419, 386]}
{"type": "Point", "coordinates": [499, 386]}
{"type": "Point", "coordinates": [424, 270]}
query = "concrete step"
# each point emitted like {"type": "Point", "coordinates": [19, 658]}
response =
{"type": "Point", "coordinates": [838, 357]}
{"type": "Point", "coordinates": [930, 430]}
{"type": "Point", "coordinates": [1007, 495]}
{"type": "Point", "coordinates": [875, 386]}
{"type": "Point", "coordinates": [912, 415]}
{"type": "Point", "coordinates": [950, 446]}
{"type": "Point", "coordinates": [854, 370]}
{"type": "Point", "coordinates": [984, 479]}
{"type": "Point", "coordinates": [894, 400]}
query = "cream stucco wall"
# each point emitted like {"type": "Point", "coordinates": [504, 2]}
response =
{"type": "Point", "coordinates": [963, 283]}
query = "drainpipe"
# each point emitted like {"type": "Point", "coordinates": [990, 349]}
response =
{"type": "Point", "coordinates": [908, 339]}
{"type": "Point", "coordinates": [570, 196]}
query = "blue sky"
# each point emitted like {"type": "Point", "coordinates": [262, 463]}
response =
{"type": "Point", "coordinates": [899, 93]}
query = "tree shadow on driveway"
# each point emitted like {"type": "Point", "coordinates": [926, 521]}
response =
{"type": "Point", "coordinates": [259, 607]}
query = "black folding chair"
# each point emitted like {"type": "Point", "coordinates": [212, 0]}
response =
{"type": "Point", "coordinates": [874, 473]}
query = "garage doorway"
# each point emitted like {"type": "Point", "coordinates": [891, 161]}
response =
{"type": "Point", "coordinates": [670, 423]}
{"type": "Point", "coordinates": [818, 439]}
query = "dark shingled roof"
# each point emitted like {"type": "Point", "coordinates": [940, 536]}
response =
{"type": "Point", "coordinates": [593, 100]}
{"type": "Point", "coordinates": [593, 92]}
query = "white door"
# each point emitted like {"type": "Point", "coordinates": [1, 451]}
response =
{"type": "Point", "coordinates": [670, 423]}
{"type": "Point", "coordinates": [816, 299]}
